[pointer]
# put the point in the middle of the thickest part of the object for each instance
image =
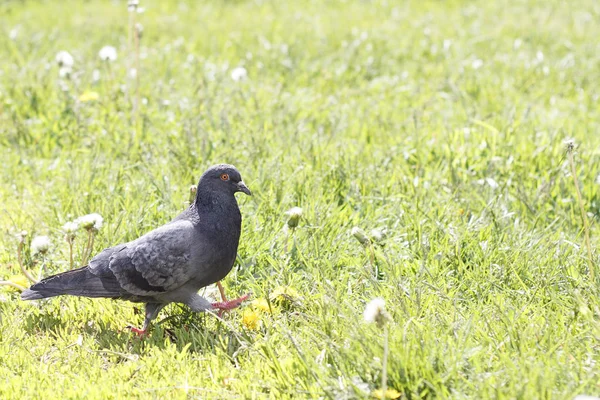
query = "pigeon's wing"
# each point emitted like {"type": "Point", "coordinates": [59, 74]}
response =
{"type": "Point", "coordinates": [155, 263]}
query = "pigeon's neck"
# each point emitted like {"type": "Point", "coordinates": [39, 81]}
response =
{"type": "Point", "coordinates": [215, 202]}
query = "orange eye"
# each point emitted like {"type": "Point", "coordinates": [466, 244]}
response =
{"type": "Point", "coordinates": [224, 177]}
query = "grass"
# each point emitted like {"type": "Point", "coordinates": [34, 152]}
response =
{"type": "Point", "coordinates": [441, 123]}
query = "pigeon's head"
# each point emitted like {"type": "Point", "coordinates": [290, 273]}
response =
{"type": "Point", "coordinates": [223, 178]}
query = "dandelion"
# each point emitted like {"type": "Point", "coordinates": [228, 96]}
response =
{"type": "Point", "coordinates": [64, 72]}
{"type": "Point", "coordinates": [389, 394]}
{"type": "Point", "coordinates": [21, 236]}
{"type": "Point", "coordinates": [285, 297]}
{"type": "Point", "coordinates": [70, 230]}
{"type": "Point", "coordinates": [360, 235]}
{"type": "Point", "coordinates": [477, 63]}
{"type": "Point", "coordinates": [64, 59]}
{"type": "Point", "coordinates": [375, 312]}
{"type": "Point", "coordinates": [90, 222]}
{"type": "Point", "coordinates": [569, 144]}
{"type": "Point", "coordinates": [239, 74]}
{"type": "Point", "coordinates": [377, 235]}
{"type": "Point", "coordinates": [88, 96]}
{"type": "Point", "coordinates": [251, 319]}
{"type": "Point", "coordinates": [192, 196]}
{"type": "Point", "coordinates": [261, 305]}
{"type": "Point", "coordinates": [294, 213]}
{"type": "Point", "coordinates": [40, 244]}
{"type": "Point", "coordinates": [132, 5]}
{"type": "Point", "coordinates": [108, 53]}
{"type": "Point", "coordinates": [15, 283]}
{"type": "Point", "coordinates": [139, 29]}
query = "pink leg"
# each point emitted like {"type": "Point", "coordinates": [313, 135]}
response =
{"type": "Point", "coordinates": [222, 290]}
{"type": "Point", "coordinates": [139, 332]}
{"type": "Point", "coordinates": [230, 304]}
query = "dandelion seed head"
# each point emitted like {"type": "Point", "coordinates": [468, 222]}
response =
{"type": "Point", "coordinates": [239, 74]}
{"type": "Point", "coordinates": [70, 228]}
{"type": "Point", "coordinates": [21, 236]}
{"type": "Point", "coordinates": [132, 5]}
{"type": "Point", "coordinates": [90, 222]}
{"type": "Point", "coordinates": [570, 144]}
{"type": "Point", "coordinates": [377, 235]}
{"type": "Point", "coordinates": [375, 312]}
{"type": "Point", "coordinates": [40, 244]}
{"type": "Point", "coordinates": [108, 53]}
{"type": "Point", "coordinates": [139, 29]}
{"type": "Point", "coordinates": [64, 59]}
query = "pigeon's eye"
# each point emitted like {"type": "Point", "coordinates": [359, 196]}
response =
{"type": "Point", "coordinates": [224, 177]}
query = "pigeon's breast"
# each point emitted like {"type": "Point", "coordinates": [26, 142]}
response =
{"type": "Point", "coordinates": [219, 244]}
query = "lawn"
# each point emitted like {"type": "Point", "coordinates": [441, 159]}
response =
{"type": "Point", "coordinates": [438, 128]}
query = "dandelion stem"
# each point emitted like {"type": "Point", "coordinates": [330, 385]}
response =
{"type": "Point", "coordinates": [88, 247]}
{"type": "Point", "coordinates": [23, 270]}
{"type": "Point", "coordinates": [71, 253]}
{"type": "Point", "coordinates": [136, 35]}
{"type": "Point", "coordinates": [129, 40]}
{"type": "Point", "coordinates": [586, 225]}
{"type": "Point", "coordinates": [385, 361]}
{"type": "Point", "coordinates": [9, 283]}
{"type": "Point", "coordinates": [371, 254]}
{"type": "Point", "coordinates": [42, 268]}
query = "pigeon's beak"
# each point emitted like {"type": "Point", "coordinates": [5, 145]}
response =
{"type": "Point", "coordinates": [243, 188]}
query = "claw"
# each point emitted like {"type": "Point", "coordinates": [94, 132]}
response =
{"type": "Point", "coordinates": [139, 332]}
{"type": "Point", "coordinates": [230, 304]}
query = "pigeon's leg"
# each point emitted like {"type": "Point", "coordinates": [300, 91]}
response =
{"type": "Point", "coordinates": [199, 303]}
{"type": "Point", "coordinates": [222, 291]}
{"type": "Point", "coordinates": [152, 310]}
{"type": "Point", "coordinates": [231, 304]}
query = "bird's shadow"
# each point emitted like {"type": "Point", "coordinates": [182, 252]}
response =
{"type": "Point", "coordinates": [189, 331]}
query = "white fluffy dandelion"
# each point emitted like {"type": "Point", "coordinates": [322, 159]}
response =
{"type": "Point", "coordinates": [375, 312]}
{"type": "Point", "coordinates": [70, 227]}
{"type": "Point", "coordinates": [40, 244]}
{"type": "Point", "coordinates": [108, 53]}
{"type": "Point", "coordinates": [239, 74]}
{"type": "Point", "coordinates": [64, 59]}
{"type": "Point", "coordinates": [377, 235]}
{"type": "Point", "coordinates": [90, 222]}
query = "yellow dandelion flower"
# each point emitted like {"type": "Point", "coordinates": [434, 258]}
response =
{"type": "Point", "coordinates": [20, 280]}
{"type": "Point", "coordinates": [389, 394]}
{"type": "Point", "coordinates": [261, 305]}
{"type": "Point", "coordinates": [284, 296]}
{"type": "Point", "coordinates": [250, 319]}
{"type": "Point", "coordinates": [89, 96]}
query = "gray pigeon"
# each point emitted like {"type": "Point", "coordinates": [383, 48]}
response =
{"type": "Point", "coordinates": [171, 263]}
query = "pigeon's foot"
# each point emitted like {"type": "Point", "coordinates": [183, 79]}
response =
{"type": "Point", "coordinates": [230, 304]}
{"type": "Point", "coordinates": [139, 332]}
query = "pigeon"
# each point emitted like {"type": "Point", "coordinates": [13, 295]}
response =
{"type": "Point", "coordinates": [171, 263]}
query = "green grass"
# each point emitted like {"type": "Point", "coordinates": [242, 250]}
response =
{"type": "Point", "coordinates": [440, 122]}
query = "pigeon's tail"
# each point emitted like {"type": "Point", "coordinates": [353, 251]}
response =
{"type": "Point", "coordinates": [78, 282]}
